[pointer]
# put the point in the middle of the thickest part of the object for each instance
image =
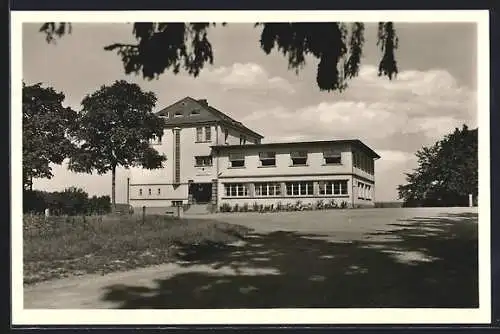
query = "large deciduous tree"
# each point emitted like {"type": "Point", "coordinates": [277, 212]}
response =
{"type": "Point", "coordinates": [115, 126]}
{"type": "Point", "coordinates": [174, 46]}
{"type": "Point", "coordinates": [46, 125]}
{"type": "Point", "coordinates": [447, 172]}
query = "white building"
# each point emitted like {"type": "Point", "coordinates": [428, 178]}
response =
{"type": "Point", "coordinates": [216, 160]}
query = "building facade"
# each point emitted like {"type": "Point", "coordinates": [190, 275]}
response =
{"type": "Point", "coordinates": [216, 160]}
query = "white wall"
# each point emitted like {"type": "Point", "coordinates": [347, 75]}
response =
{"type": "Point", "coordinates": [168, 193]}
{"type": "Point", "coordinates": [233, 137]}
{"type": "Point", "coordinates": [283, 198]}
{"type": "Point", "coordinates": [315, 163]}
{"type": "Point", "coordinates": [163, 178]}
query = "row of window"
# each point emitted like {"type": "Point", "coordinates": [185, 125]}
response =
{"type": "Point", "coordinates": [364, 191]}
{"type": "Point", "coordinates": [268, 159]}
{"type": "Point", "coordinates": [298, 158]}
{"type": "Point", "coordinates": [270, 189]}
{"type": "Point", "coordinates": [243, 138]}
{"type": "Point", "coordinates": [204, 134]}
{"type": "Point", "coordinates": [177, 114]}
{"type": "Point", "coordinates": [150, 192]}
{"type": "Point", "coordinates": [296, 188]}
{"type": "Point", "coordinates": [203, 161]}
{"type": "Point", "coordinates": [156, 140]}
{"type": "Point", "coordinates": [364, 162]}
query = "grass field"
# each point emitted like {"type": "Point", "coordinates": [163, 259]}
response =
{"type": "Point", "coordinates": [66, 246]}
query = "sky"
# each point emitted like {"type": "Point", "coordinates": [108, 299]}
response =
{"type": "Point", "coordinates": [434, 92]}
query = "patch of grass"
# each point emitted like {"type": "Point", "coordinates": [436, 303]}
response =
{"type": "Point", "coordinates": [66, 246]}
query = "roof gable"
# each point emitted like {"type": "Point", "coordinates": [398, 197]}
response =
{"type": "Point", "coordinates": [192, 111]}
{"type": "Point", "coordinates": [187, 110]}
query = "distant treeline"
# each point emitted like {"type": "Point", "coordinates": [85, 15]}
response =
{"type": "Point", "coordinates": [71, 201]}
{"type": "Point", "coordinates": [449, 200]}
{"type": "Point", "coordinates": [388, 204]}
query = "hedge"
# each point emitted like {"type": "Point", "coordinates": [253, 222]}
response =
{"type": "Point", "coordinates": [71, 201]}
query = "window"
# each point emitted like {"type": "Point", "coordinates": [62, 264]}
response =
{"type": "Point", "coordinates": [364, 162]}
{"type": "Point", "coordinates": [361, 189]}
{"type": "Point", "coordinates": [178, 114]}
{"type": "Point", "coordinates": [236, 189]}
{"type": "Point", "coordinates": [195, 112]}
{"type": "Point", "coordinates": [299, 158]}
{"type": "Point", "coordinates": [332, 157]}
{"type": "Point", "coordinates": [156, 140]}
{"type": "Point", "coordinates": [203, 161]}
{"type": "Point", "coordinates": [165, 115]}
{"type": "Point", "coordinates": [368, 194]}
{"type": "Point", "coordinates": [267, 189]}
{"type": "Point", "coordinates": [369, 165]}
{"type": "Point", "coordinates": [299, 188]}
{"type": "Point", "coordinates": [199, 134]}
{"type": "Point", "coordinates": [159, 191]}
{"type": "Point", "coordinates": [140, 192]}
{"type": "Point", "coordinates": [267, 158]}
{"type": "Point", "coordinates": [337, 187]}
{"type": "Point", "coordinates": [149, 191]}
{"type": "Point", "coordinates": [208, 133]}
{"type": "Point", "coordinates": [237, 160]}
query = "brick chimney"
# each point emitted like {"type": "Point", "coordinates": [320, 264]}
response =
{"type": "Point", "coordinates": [203, 102]}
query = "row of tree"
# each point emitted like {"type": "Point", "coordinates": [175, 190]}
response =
{"type": "Point", "coordinates": [71, 201]}
{"type": "Point", "coordinates": [447, 172]}
{"type": "Point", "coordinates": [112, 129]}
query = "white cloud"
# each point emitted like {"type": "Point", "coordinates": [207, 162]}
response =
{"type": "Point", "coordinates": [390, 169]}
{"type": "Point", "coordinates": [395, 156]}
{"type": "Point", "coordinates": [93, 184]}
{"type": "Point", "coordinates": [432, 92]}
{"type": "Point", "coordinates": [248, 76]}
{"type": "Point", "coordinates": [428, 103]}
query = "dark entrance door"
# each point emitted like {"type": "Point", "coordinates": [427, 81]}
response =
{"type": "Point", "coordinates": [201, 192]}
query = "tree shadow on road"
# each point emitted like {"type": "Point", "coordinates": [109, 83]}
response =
{"type": "Point", "coordinates": [432, 262]}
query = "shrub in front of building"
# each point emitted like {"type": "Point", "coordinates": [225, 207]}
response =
{"type": "Point", "coordinates": [280, 207]}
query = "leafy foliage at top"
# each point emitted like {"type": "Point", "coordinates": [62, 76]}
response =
{"type": "Point", "coordinates": [447, 171]}
{"type": "Point", "coordinates": [46, 125]}
{"type": "Point", "coordinates": [176, 46]}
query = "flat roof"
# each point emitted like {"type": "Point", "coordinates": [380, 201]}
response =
{"type": "Point", "coordinates": [355, 142]}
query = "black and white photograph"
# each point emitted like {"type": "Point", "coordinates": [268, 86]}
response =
{"type": "Point", "coordinates": [261, 167]}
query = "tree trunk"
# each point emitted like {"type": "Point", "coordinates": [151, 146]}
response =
{"type": "Point", "coordinates": [113, 190]}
